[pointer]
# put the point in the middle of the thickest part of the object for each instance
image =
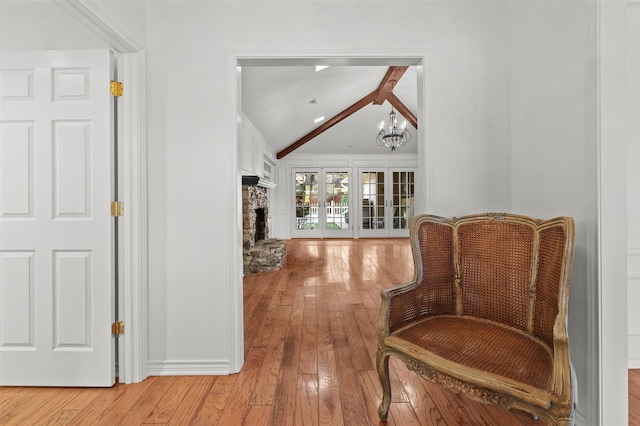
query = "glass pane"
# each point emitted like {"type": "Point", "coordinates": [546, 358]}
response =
{"type": "Point", "coordinates": [373, 207]}
{"type": "Point", "coordinates": [306, 200]}
{"type": "Point", "coordinates": [337, 200]}
{"type": "Point", "coordinates": [403, 187]}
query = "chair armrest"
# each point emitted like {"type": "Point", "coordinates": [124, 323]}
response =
{"type": "Point", "coordinates": [562, 370]}
{"type": "Point", "coordinates": [387, 295]}
{"type": "Point", "coordinates": [412, 301]}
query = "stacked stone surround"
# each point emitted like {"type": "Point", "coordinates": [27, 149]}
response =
{"type": "Point", "coordinates": [264, 255]}
{"type": "Point", "coordinates": [253, 197]}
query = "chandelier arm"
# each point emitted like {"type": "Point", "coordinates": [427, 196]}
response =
{"type": "Point", "coordinates": [396, 137]}
{"type": "Point", "coordinates": [406, 136]}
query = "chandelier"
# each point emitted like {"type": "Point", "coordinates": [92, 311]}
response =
{"type": "Point", "coordinates": [397, 136]}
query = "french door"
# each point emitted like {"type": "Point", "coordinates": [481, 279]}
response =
{"type": "Point", "coordinates": [373, 203]}
{"type": "Point", "coordinates": [321, 204]}
{"type": "Point", "coordinates": [386, 202]}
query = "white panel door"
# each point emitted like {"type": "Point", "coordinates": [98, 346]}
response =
{"type": "Point", "coordinates": [56, 262]}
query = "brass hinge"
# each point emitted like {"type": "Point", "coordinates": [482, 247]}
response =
{"type": "Point", "coordinates": [117, 208]}
{"type": "Point", "coordinates": [117, 328]}
{"type": "Point", "coordinates": [117, 88]}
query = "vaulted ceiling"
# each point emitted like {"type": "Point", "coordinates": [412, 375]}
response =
{"type": "Point", "coordinates": [282, 101]}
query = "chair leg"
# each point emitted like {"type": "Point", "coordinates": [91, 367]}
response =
{"type": "Point", "coordinates": [383, 376]}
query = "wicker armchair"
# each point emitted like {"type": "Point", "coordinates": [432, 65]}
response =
{"type": "Point", "coordinates": [486, 312]}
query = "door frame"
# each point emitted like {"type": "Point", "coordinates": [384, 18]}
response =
{"type": "Point", "coordinates": [132, 141]}
{"type": "Point", "coordinates": [239, 57]}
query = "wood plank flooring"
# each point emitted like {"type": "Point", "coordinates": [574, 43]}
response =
{"type": "Point", "coordinates": [309, 359]}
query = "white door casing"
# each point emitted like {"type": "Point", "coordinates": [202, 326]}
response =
{"type": "Point", "coordinates": [56, 257]}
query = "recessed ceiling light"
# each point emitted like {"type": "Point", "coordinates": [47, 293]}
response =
{"type": "Point", "coordinates": [319, 67]}
{"type": "Point", "coordinates": [319, 119]}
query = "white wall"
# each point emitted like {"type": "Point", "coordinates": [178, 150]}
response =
{"type": "Point", "coordinates": [41, 25]}
{"type": "Point", "coordinates": [191, 178]}
{"type": "Point", "coordinates": [129, 16]}
{"type": "Point", "coordinates": [548, 168]}
{"type": "Point", "coordinates": [567, 158]}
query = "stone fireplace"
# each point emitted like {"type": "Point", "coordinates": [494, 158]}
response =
{"type": "Point", "coordinates": [260, 253]}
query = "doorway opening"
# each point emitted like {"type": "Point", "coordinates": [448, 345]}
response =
{"type": "Point", "coordinates": [249, 154]}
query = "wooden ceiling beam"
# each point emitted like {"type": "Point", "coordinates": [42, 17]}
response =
{"type": "Point", "coordinates": [389, 80]}
{"type": "Point", "coordinates": [328, 124]}
{"type": "Point", "coordinates": [377, 97]}
{"type": "Point", "coordinates": [403, 110]}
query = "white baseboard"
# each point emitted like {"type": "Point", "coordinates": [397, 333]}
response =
{"type": "Point", "coordinates": [634, 357]}
{"type": "Point", "coordinates": [579, 417]}
{"type": "Point", "coordinates": [634, 362]}
{"type": "Point", "coordinates": [189, 368]}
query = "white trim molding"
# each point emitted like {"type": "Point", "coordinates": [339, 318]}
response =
{"type": "Point", "coordinates": [634, 339]}
{"type": "Point", "coordinates": [133, 287]}
{"type": "Point", "coordinates": [633, 262]}
{"type": "Point", "coordinates": [235, 340]}
{"type": "Point", "coordinates": [190, 368]}
{"type": "Point", "coordinates": [236, 58]}
{"type": "Point", "coordinates": [579, 417]}
{"type": "Point", "coordinates": [634, 362]}
{"type": "Point", "coordinates": [332, 160]}
{"type": "Point", "coordinates": [134, 302]}
{"type": "Point", "coordinates": [612, 383]}
{"type": "Point", "coordinates": [633, 290]}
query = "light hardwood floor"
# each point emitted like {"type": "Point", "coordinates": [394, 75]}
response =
{"type": "Point", "coordinates": [309, 359]}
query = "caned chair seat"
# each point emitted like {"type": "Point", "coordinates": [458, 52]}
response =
{"type": "Point", "coordinates": [481, 352]}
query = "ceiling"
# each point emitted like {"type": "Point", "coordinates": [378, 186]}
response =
{"type": "Point", "coordinates": [277, 97]}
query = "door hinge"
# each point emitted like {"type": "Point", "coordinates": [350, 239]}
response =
{"type": "Point", "coordinates": [117, 208]}
{"type": "Point", "coordinates": [117, 328]}
{"type": "Point", "coordinates": [117, 88]}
